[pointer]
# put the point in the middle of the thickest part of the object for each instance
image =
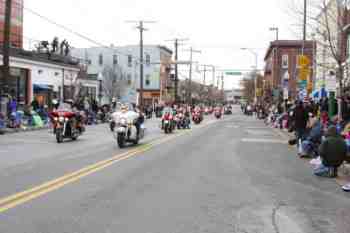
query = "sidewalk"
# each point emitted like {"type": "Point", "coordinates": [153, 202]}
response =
{"type": "Point", "coordinates": [343, 171]}
{"type": "Point", "coordinates": [19, 130]}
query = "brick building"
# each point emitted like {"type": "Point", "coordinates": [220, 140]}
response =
{"type": "Point", "coordinates": [16, 36]}
{"type": "Point", "coordinates": [281, 67]}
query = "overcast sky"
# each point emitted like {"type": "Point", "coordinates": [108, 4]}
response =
{"type": "Point", "coordinates": [219, 28]}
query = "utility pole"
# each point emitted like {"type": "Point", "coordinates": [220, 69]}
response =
{"type": "Point", "coordinates": [141, 29]}
{"type": "Point", "coordinates": [190, 75]}
{"type": "Point", "coordinates": [205, 71]}
{"type": "Point", "coordinates": [222, 87]}
{"type": "Point", "coordinates": [176, 40]}
{"type": "Point", "coordinates": [304, 26]}
{"type": "Point", "coordinates": [6, 48]}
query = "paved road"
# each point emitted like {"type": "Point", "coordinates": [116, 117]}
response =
{"type": "Point", "coordinates": [232, 175]}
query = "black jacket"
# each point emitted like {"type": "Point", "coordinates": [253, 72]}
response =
{"type": "Point", "coordinates": [333, 151]}
{"type": "Point", "coordinates": [300, 117]}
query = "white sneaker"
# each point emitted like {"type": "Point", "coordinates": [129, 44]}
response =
{"type": "Point", "coordinates": [346, 187]}
{"type": "Point", "coordinates": [316, 161]}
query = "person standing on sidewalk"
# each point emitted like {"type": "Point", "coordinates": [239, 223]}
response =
{"type": "Point", "coordinates": [301, 119]}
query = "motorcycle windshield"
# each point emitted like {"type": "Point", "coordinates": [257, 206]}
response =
{"type": "Point", "coordinates": [64, 107]}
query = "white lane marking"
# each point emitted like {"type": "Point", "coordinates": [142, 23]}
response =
{"type": "Point", "coordinates": [260, 132]}
{"type": "Point", "coordinates": [264, 140]}
{"type": "Point", "coordinates": [256, 127]}
{"type": "Point", "coordinates": [233, 126]}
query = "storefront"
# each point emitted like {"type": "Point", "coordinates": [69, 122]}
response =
{"type": "Point", "coordinates": [18, 85]}
{"type": "Point", "coordinates": [150, 98]}
{"type": "Point", "coordinates": [44, 94]}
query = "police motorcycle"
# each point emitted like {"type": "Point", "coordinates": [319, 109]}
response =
{"type": "Point", "coordinates": [127, 126]}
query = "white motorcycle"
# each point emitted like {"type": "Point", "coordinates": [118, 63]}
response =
{"type": "Point", "coordinates": [124, 130]}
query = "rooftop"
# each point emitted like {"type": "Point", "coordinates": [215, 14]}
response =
{"type": "Point", "coordinates": [286, 44]}
{"type": "Point", "coordinates": [54, 59]}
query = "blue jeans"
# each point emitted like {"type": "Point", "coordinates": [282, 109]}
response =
{"type": "Point", "coordinates": [299, 134]}
{"type": "Point", "coordinates": [324, 171]}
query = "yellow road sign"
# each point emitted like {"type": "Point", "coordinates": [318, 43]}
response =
{"type": "Point", "coordinates": [303, 61]}
{"type": "Point", "coordinates": [304, 73]}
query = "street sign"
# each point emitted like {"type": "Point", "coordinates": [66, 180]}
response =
{"type": "Point", "coordinates": [259, 92]}
{"type": "Point", "coordinates": [303, 61]}
{"type": "Point", "coordinates": [233, 73]}
{"type": "Point", "coordinates": [304, 73]}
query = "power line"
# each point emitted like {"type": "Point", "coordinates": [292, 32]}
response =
{"type": "Point", "coordinates": [78, 34]}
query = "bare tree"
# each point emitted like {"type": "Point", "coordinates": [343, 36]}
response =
{"type": "Point", "coordinates": [248, 86]}
{"type": "Point", "coordinates": [114, 82]}
{"type": "Point", "coordinates": [327, 21]}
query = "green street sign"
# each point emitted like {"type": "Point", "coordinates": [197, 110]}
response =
{"type": "Point", "coordinates": [233, 73]}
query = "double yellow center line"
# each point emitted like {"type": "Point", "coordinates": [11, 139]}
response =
{"type": "Point", "coordinates": [30, 194]}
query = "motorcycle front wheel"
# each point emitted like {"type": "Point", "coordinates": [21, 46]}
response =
{"type": "Point", "coordinates": [121, 140]}
{"type": "Point", "coordinates": [59, 136]}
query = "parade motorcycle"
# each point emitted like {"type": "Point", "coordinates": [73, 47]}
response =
{"type": "Point", "coordinates": [168, 123]}
{"type": "Point", "coordinates": [182, 122]}
{"type": "Point", "coordinates": [124, 127]}
{"type": "Point", "coordinates": [218, 113]}
{"type": "Point", "coordinates": [197, 117]}
{"type": "Point", "coordinates": [67, 124]}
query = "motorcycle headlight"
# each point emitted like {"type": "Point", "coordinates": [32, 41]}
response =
{"type": "Point", "coordinates": [66, 119]}
{"type": "Point", "coordinates": [55, 119]}
{"type": "Point", "coordinates": [61, 118]}
{"type": "Point", "coordinates": [123, 121]}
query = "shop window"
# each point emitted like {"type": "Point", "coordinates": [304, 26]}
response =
{"type": "Point", "coordinates": [129, 61]}
{"type": "Point", "coordinates": [148, 80]}
{"type": "Point", "coordinates": [148, 59]}
{"type": "Point", "coordinates": [100, 59]}
{"type": "Point", "coordinates": [115, 59]}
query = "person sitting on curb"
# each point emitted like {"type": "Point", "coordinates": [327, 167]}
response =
{"type": "Point", "coordinates": [313, 140]}
{"type": "Point", "coordinates": [333, 152]}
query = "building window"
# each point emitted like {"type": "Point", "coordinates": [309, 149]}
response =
{"type": "Point", "coordinates": [129, 61]}
{"type": "Point", "coordinates": [100, 59]}
{"type": "Point", "coordinates": [115, 59]}
{"type": "Point", "coordinates": [285, 61]}
{"type": "Point", "coordinates": [148, 59]}
{"type": "Point", "coordinates": [148, 80]}
{"type": "Point", "coordinates": [129, 79]}
{"type": "Point", "coordinates": [89, 62]}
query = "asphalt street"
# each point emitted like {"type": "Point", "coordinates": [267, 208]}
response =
{"type": "Point", "coordinates": [228, 175]}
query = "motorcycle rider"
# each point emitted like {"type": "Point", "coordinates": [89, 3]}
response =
{"type": "Point", "coordinates": [124, 109]}
{"type": "Point", "coordinates": [140, 120]}
{"type": "Point", "coordinates": [167, 109]}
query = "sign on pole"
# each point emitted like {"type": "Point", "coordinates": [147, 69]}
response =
{"type": "Point", "coordinates": [233, 73]}
{"type": "Point", "coordinates": [303, 61]}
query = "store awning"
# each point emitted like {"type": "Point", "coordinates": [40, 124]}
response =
{"type": "Point", "coordinates": [41, 87]}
